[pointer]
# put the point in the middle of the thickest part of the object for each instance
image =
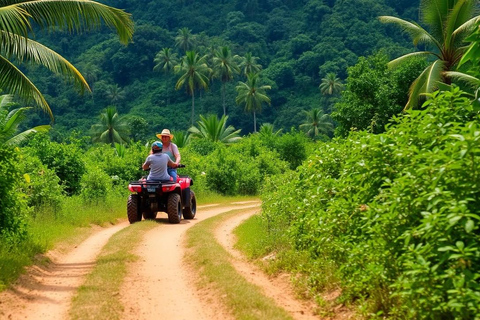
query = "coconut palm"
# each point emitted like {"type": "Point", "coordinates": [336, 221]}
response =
{"type": "Point", "coordinates": [248, 64]}
{"type": "Point", "coordinates": [19, 17]}
{"type": "Point", "coordinates": [224, 68]}
{"type": "Point", "coordinates": [185, 39]}
{"type": "Point", "coordinates": [194, 75]}
{"type": "Point", "coordinates": [214, 129]}
{"type": "Point", "coordinates": [115, 94]}
{"type": "Point", "coordinates": [330, 84]}
{"type": "Point", "coordinates": [449, 23]}
{"type": "Point", "coordinates": [10, 120]}
{"type": "Point", "coordinates": [316, 123]}
{"type": "Point", "coordinates": [165, 60]}
{"type": "Point", "coordinates": [111, 128]}
{"type": "Point", "coordinates": [252, 94]}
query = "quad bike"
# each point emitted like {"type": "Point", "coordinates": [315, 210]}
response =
{"type": "Point", "coordinates": [174, 198]}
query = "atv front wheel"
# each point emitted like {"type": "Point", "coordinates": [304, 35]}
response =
{"type": "Point", "coordinates": [133, 211]}
{"type": "Point", "coordinates": [191, 211]}
{"type": "Point", "coordinates": [174, 208]}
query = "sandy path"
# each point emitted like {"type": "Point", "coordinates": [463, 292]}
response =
{"type": "Point", "coordinates": [46, 293]}
{"type": "Point", "coordinates": [159, 286]}
{"type": "Point", "coordinates": [278, 288]}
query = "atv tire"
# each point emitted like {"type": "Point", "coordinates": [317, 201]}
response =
{"type": "Point", "coordinates": [133, 211]}
{"type": "Point", "coordinates": [191, 211]}
{"type": "Point", "coordinates": [174, 208]}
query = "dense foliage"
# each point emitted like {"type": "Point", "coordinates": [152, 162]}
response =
{"type": "Point", "coordinates": [394, 216]}
{"type": "Point", "coordinates": [297, 44]}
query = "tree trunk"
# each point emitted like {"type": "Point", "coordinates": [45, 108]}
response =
{"type": "Point", "coordinates": [223, 97]}
{"type": "Point", "coordinates": [254, 122]}
{"type": "Point", "coordinates": [193, 105]}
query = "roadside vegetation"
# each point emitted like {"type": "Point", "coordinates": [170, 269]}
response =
{"type": "Point", "coordinates": [380, 204]}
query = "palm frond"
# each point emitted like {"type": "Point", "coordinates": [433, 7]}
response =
{"type": "Point", "coordinates": [425, 83]}
{"type": "Point", "coordinates": [14, 19]}
{"type": "Point", "coordinates": [31, 51]}
{"type": "Point", "coordinates": [471, 81]}
{"type": "Point", "coordinates": [15, 82]}
{"type": "Point", "coordinates": [398, 61]}
{"type": "Point", "coordinates": [418, 34]}
{"type": "Point", "coordinates": [79, 15]}
{"type": "Point", "coordinates": [461, 12]}
{"type": "Point", "coordinates": [19, 138]}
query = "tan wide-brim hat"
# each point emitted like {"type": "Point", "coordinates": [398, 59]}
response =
{"type": "Point", "coordinates": [165, 132]}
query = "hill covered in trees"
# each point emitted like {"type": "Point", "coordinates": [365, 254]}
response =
{"type": "Point", "coordinates": [297, 43]}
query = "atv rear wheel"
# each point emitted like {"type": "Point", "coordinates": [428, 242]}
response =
{"type": "Point", "coordinates": [191, 211]}
{"type": "Point", "coordinates": [133, 211]}
{"type": "Point", "coordinates": [174, 208]}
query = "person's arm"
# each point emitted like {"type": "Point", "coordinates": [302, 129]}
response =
{"type": "Point", "coordinates": [146, 165]}
{"type": "Point", "coordinates": [172, 164]}
{"type": "Point", "coordinates": [176, 154]}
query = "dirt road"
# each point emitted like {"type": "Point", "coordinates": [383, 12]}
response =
{"type": "Point", "coordinates": [158, 285]}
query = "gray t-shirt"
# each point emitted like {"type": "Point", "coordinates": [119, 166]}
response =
{"type": "Point", "coordinates": [158, 166]}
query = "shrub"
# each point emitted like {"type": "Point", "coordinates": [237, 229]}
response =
{"type": "Point", "coordinates": [12, 205]}
{"type": "Point", "coordinates": [95, 185]}
{"type": "Point", "coordinates": [65, 159]}
{"type": "Point", "coordinates": [394, 216]}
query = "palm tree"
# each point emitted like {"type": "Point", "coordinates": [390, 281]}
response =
{"type": "Point", "coordinates": [248, 64]}
{"type": "Point", "coordinates": [224, 67]}
{"type": "Point", "coordinates": [112, 128]}
{"type": "Point", "coordinates": [316, 123]}
{"type": "Point", "coordinates": [185, 39]}
{"type": "Point", "coordinates": [115, 94]}
{"type": "Point", "coordinates": [195, 75]}
{"type": "Point", "coordinates": [165, 61]}
{"type": "Point", "coordinates": [252, 94]}
{"type": "Point", "coordinates": [10, 120]}
{"type": "Point", "coordinates": [17, 20]}
{"type": "Point", "coordinates": [449, 22]}
{"type": "Point", "coordinates": [215, 130]}
{"type": "Point", "coordinates": [330, 84]}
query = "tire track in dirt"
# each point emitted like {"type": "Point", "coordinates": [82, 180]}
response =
{"type": "Point", "coordinates": [277, 288]}
{"type": "Point", "coordinates": [46, 292]}
{"type": "Point", "coordinates": [159, 285]}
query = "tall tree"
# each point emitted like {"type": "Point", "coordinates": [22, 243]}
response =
{"type": "Point", "coordinates": [194, 75]}
{"type": "Point", "coordinates": [330, 84]}
{"type": "Point", "coordinates": [316, 122]}
{"type": "Point", "coordinates": [185, 40]}
{"type": "Point", "coordinates": [224, 67]}
{"type": "Point", "coordinates": [17, 20]}
{"type": "Point", "coordinates": [214, 129]}
{"type": "Point", "coordinates": [165, 61]}
{"type": "Point", "coordinates": [252, 94]}
{"type": "Point", "coordinates": [449, 22]}
{"type": "Point", "coordinates": [10, 121]}
{"type": "Point", "coordinates": [111, 128]}
{"type": "Point", "coordinates": [248, 64]}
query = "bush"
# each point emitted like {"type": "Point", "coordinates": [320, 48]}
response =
{"type": "Point", "coordinates": [42, 186]}
{"type": "Point", "coordinates": [394, 216]}
{"type": "Point", "coordinates": [12, 204]}
{"type": "Point", "coordinates": [95, 185]}
{"type": "Point", "coordinates": [65, 159]}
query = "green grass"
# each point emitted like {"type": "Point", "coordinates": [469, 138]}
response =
{"type": "Point", "coordinates": [243, 299]}
{"type": "Point", "coordinates": [99, 295]}
{"type": "Point", "coordinates": [62, 229]}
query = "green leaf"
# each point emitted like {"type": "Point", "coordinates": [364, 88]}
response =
{"type": "Point", "coordinates": [469, 226]}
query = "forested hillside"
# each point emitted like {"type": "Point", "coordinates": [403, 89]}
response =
{"type": "Point", "coordinates": [297, 44]}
